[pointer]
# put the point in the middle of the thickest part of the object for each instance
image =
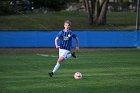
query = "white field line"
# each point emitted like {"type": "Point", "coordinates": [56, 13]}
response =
{"type": "Point", "coordinates": [81, 56]}
{"type": "Point", "coordinates": [45, 55]}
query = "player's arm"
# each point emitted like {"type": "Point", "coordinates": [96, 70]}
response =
{"type": "Point", "coordinates": [77, 43]}
{"type": "Point", "coordinates": [56, 42]}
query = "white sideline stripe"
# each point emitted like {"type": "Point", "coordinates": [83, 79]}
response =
{"type": "Point", "coordinates": [42, 55]}
{"type": "Point", "coordinates": [79, 56]}
{"type": "Point", "coordinates": [46, 55]}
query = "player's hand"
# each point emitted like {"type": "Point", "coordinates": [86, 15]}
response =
{"type": "Point", "coordinates": [77, 48]}
{"type": "Point", "coordinates": [57, 46]}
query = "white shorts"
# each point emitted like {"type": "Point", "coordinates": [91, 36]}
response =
{"type": "Point", "coordinates": [63, 53]}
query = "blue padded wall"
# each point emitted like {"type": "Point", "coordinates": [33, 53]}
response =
{"type": "Point", "coordinates": [87, 38]}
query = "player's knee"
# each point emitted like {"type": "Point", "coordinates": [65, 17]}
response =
{"type": "Point", "coordinates": [60, 59]}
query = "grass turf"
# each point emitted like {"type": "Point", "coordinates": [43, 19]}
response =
{"type": "Point", "coordinates": [109, 71]}
{"type": "Point", "coordinates": [54, 21]}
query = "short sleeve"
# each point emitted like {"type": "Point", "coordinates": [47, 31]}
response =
{"type": "Point", "coordinates": [74, 35]}
{"type": "Point", "coordinates": [59, 34]}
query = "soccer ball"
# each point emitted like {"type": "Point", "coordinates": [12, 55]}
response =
{"type": "Point", "coordinates": [78, 75]}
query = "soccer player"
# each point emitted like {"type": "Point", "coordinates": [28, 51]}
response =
{"type": "Point", "coordinates": [65, 37]}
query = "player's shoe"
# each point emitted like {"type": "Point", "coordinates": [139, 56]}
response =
{"type": "Point", "coordinates": [50, 74]}
{"type": "Point", "coordinates": [73, 54]}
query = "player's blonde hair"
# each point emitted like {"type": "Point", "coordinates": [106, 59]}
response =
{"type": "Point", "coordinates": [67, 22]}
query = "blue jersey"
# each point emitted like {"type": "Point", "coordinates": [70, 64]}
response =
{"type": "Point", "coordinates": [66, 39]}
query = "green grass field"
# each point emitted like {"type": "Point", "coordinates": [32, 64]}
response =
{"type": "Point", "coordinates": [54, 21]}
{"type": "Point", "coordinates": [104, 71]}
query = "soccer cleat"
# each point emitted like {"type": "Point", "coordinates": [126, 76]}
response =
{"type": "Point", "coordinates": [73, 54]}
{"type": "Point", "coordinates": [50, 74]}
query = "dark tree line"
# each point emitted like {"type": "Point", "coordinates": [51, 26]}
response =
{"type": "Point", "coordinates": [12, 6]}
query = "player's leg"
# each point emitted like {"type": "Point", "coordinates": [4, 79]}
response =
{"type": "Point", "coordinates": [73, 54]}
{"type": "Point", "coordinates": [70, 54]}
{"type": "Point", "coordinates": [59, 61]}
{"type": "Point", "coordinates": [56, 67]}
{"type": "Point", "coordinates": [62, 55]}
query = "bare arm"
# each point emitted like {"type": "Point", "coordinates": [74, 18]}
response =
{"type": "Point", "coordinates": [56, 42]}
{"type": "Point", "coordinates": [77, 43]}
